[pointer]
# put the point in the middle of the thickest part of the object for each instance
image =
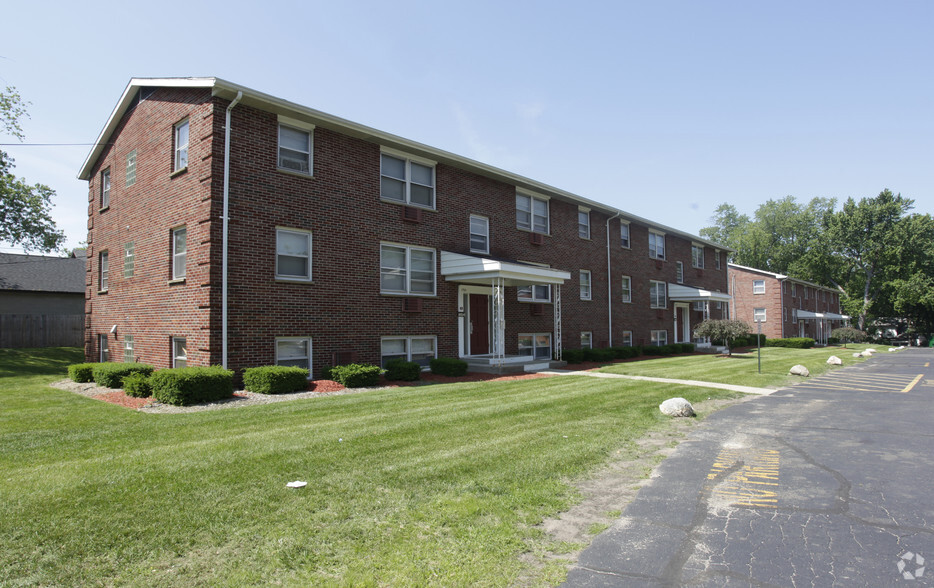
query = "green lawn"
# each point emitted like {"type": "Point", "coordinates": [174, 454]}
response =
{"type": "Point", "coordinates": [742, 368]}
{"type": "Point", "coordinates": [435, 485]}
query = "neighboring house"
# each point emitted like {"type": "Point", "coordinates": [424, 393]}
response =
{"type": "Point", "coordinates": [786, 307]}
{"type": "Point", "coordinates": [346, 243]}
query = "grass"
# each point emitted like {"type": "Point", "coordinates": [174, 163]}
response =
{"type": "Point", "coordinates": [742, 368]}
{"type": "Point", "coordinates": [437, 485]}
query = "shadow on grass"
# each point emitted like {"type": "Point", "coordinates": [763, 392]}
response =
{"type": "Point", "coordinates": [48, 361]}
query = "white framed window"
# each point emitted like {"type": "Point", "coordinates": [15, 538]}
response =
{"type": "Point", "coordinates": [179, 252]}
{"type": "Point", "coordinates": [758, 286]}
{"type": "Point", "coordinates": [585, 285]}
{"type": "Point", "coordinates": [294, 352]}
{"type": "Point", "coordinates": [407, 180]}
{"type": "Point", "coordinates": [583, 223]}
{"type": "Point", "coordinates": [784, 287]}
{"type": "Point", "coordinates": [659, 338]}
{"type": "Point", "coordinates": [794, 290]}
{"type": "Point", "coordinates": [296, 146]}
{"type": "Point", "coordinates": [699, 305]}
{"type": "Point", "coordinates": [805, 292]}
{"type": "Point", "coordinates": [656, 245]}
{"type": "Point", "coordinates": [129, 354]}
{"type": "Point", "coordinates": [179, 352]}
{"type": "Point", "coordinates": [103, 271]}
{"type": "Point", "coordinates": [794, 316]}
{"type": "Point", "coordinates": [535, 293]}
{"type": "Point", "coordinates": [293, 255]}
{"type": "Point", "coordinates": [658, 294]}
{"type": "Point", "coordinates": [626, 288]}
{"type": "Point", "coordinates": [784, 314]}
{"type": "Point", "coordinates": [479, 234]}
{"type": "Point", "coordinates": [532, 213]}
{"type": "Point", "coordinates": [131, 168]}
{"type": "Point", "coordinates": [406, 270]}
{"type": "Point", "coordinates": [537, 345]}
{"type": "Point", "coordinates": [679, 272]}
{"type": "Point", "coordinates": [697, 256]}
{"type": "Point", "coordinates": [624, 234]}
{"type": "Point", "coordinates": [716, 258]}
{"type": "Point", "coordinates": [418, 349]}
{"type": "Point", "coordinates": [758, 315]}
{"type": "Point", "coordinates": [105, 188]}
{"type": "Point", "coordinates": [627, 338]}
{"type": "Point", "coordinates": [103, 347]}
{"type": "Point", "coordinates": [181, 146]}
{"type": "Point", "coordinates": [586, 340]}
{"type": "Point", "coordinates": [128, 259]}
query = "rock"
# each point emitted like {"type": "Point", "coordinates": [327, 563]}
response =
{"type": "Point", "coordinates": [857, 355]}
{"type": "Point", "coordinates": [677, 407]}
{"type": "Point", "coordinates": [870, 351]}
{"type": "Point", "coordinates": [891, 349]}
{"type": "Point", "coordinates": [799, 370]}
{"type": "Point", "coordinates": [866, 353]}
{"type": "Point", "coordinates": [834, 360]}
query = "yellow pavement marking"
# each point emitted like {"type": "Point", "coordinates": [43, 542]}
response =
{"type": "Point", "coordinates": [745, 485]}
{"type": "Point", "coordinates": [913, 382]}
{"type": "Point", "coordinates": [880, 383]}
{"type": "Point", "coordinates": [927, 364]}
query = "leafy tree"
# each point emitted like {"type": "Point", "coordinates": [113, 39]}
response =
{"type": "Point", "coordinates": [25, 211]}
{"type": "Point", "coordinates": [723, 330]}
{"type": "Point", "coordinates": [848, 335]}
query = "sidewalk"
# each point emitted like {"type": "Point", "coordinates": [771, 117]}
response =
{"type": "Point", "coordinates": [696, 383]}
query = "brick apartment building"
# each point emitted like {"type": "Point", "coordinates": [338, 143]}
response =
{"type": "Point", "coordinates": [227, 226]}
{"type": "Point", "coordinates": [787, 307]}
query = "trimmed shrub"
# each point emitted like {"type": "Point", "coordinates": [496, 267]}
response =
{"type": "Point", "coordinates": [598, 355]}
{"type": "Point", "coordinates": [406, 371]}
{"type": "Point", "coordinates": [448, 366]}
{"type": "Point", "coordinates": [686, 347]}
{"type": "Point", "coordinates": [791, 342]}
{"type": "Point", "coordinates": [833, 341]}
{"type": "Point", "coordinates": [81, 372]}
{"type": "Point", "coordinates": [572, 355]}
{"type": "Point", "coordinates": [111, 375]}
{"type": "Point", "coordinates": [326, 373]}
{"type": "Point", "coordinates": [137, 385]}
{"type": "Point", "coordinates": [192, 385]}
{"type": "Point", "coordinates": [275, 379]}
{"type": "Point", "coordinates": [356, 375]}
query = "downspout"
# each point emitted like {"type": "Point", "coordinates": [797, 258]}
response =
{"type": "Point", "coordinates": [609, 281]}
{"type": "Point", "coordinates": [226, 229]}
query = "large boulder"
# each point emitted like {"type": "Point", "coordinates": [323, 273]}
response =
{"type": "Point", "coordinates": [834, 360]}
{"type": "Point", "coordinates": [677, 407]}
{"type": "Point", "coordinates": [857, 355]}
{"type": "Point", "coordinates": [799, 370]}
{"type": "Point", "coordinates": [870, 351]}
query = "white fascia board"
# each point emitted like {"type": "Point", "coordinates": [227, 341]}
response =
{"type": "Point", "coordinates": [680, 292]}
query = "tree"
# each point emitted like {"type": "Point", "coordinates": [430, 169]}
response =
{"type": "Point", "coordinates": [848, 335]}
{"type": "Point", "coordinates": [25, 211]}
{"type": "Point", "coordinates": [723, 330]}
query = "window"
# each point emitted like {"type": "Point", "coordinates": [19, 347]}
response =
{"type": "Point", "coordinates": [105, 189]}
{"type": "Point", "coordinates": [293, 255]}
{"type": "Point", "coordinates": [295, 149]}
{"type": "Point", "coordinates": [794, 289]}
{"type": "Point", "coordinates": [179, 352]}
{"type": "Point", "coordinates": [535, 293]}
{"type": "Point", "coordinates": [537, 345]}
{"type": "Point", "coordinates": [700, 305]}
{"type": "Point", "coordinates": [658, 295]}
{"type": "Point", "coordinates": [784, 314]}
{"type": "Point", "coordinates": [627, 338]}
{"type": "Point", "coordinates": [420, 350]}
{"type": "Point", "coordinates": [479, 234]}
{"type": "Point", "coordinates": [656, 245]}
{"type": "Point", "coordinates": [626, 288]}
{"type": "Point", "coordinates": [794, 315]}
{"type": "Point", "coordinates": [697, 256]}
{"type": "Point", "coordinates": [784, 287]}
{"type": "Point", "coordinates": [716, 259]}
{"type": "Point", "coordinates": [131, 168]}
{"type": "Point", "coordinates": [758, 286]}
{"type": "Point", "coordinates": [407, 181]}
{"type": "Point", "coordinates": [129, 355]}
{"type": "Point", "coordinates": [103, 346]}
{"type": "Point", "coordinates": [103, 281]}
{"type": "Point", "coordinates": [407, 270]}
{"type": "Point", "coordinates": [181, 146]}
{"type": "Point", "coordinates": [179, 252]}
{"type": "Point", "coordinates": [586, 340]}
{"type": "Point", "coordinates": [583, 223]}
{"type": "Point", "coordinates": [659, 338]}
{"type": "Point", "coordinates": [758, 315]}
{"type": "Point", "coordinates": [294, 352]}
{"type": "Point", "coordinates": [585, 284]}
{"type": "Point", "coordinates": [679, 272]}
{"type": "Point", "coordinates": [532, 213]}
{"type": "Point", "coordinates": [805, 292]}
{"type": "Point", "coordinates": [128, 262]}
{"type": "Point", "coordinates": [624, 234]}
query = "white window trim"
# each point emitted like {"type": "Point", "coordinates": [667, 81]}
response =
{"type": "Point", "coordinates": [408, 346]}
{"type": "Point", "coordinates": [302, 126]}
{"type": "Point", "coordinates": [756, 289]}
{"type": "Point", "coordinates": [626, 292]}
{"type": "Point", "coordinates": [533, 298]}
{"type": "Point", "coordinates": [535, 347]}
{"type": "Point", "coordinates": [653, 303]}
{"type": "Point", "coordinates": [103, 271]}
{"type": "Point", "coordinates": [288, 277]}
{"type": "Point", "coordinates": [103, 347]}
{"type": "Point", "coordinates": [697, 262]}
{"type": "Point", "coordinates": [176, 157]}
{"type": "Point", "coordinates": [486, 235]}
{"type": "Point", "coordinates": [659, 341]}
{"type": "Point", "coordinates": [408, 270]}
{"type": "Point", "coordinates": [653, 251]}
{"type": "Point", "coordinates": [589, 335]}
{"type": "Point", "coordinates": [175, 254]}
{"type": "Point", "coordinates": [280, 358]}
{"type": "Point", "coordinates": [627, 335]}
{"type": "Point", "coordinates": [589, 294]}
{"type": "Point", "coordinates": [581, 226]}
{"type": "Point", "coordinates": [106, 186]}
{"type": "Point", "coordinates": [717, 258]}
{"type": "Point", "coordinates": [129, 349]}
{"type": "Point", "coordinates": [131, 170]}
{"type": "Point", "coordinates": [408, 158]}
{"type": "Point", "coordinates": [628, 244]}
{"type": "Point", "coordinates": [679, 272]}
{"type": "Point", "coordinates": [532, 198]}
{"type": "Point", "coordinates": [794, 316]}
{"type": "Point", "coordinates": [176, 357]}
{"type": "Point", "coordinates": [755, 313]}
{"type": "Point", "coordinates": [129, 259]}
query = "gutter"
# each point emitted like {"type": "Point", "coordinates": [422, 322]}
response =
{"type": "Point", "coordinates": [609, 281]}
{"type": "Point", "coordinates": [226, 218]}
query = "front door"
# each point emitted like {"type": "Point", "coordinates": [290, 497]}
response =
{"type": "Point", "coordinates": [682, 328]}
{"type": "Point", "coordinates": [479, 324]}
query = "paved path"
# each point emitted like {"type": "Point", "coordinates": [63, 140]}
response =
{"type": "Point", "coordinates": [827, 483]}
{"type": "Point", "coordinates": [696, 383]}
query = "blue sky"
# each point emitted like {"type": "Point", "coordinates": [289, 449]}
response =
{"type": "Point", "coordinates": [665, 109]}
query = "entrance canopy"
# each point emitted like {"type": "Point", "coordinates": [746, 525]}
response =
{"type": "Point", "coordinates": [682, 293]}
{"type": "Point", "coordinates": [468, 269]}
{"type": "Point", "coordinates": [828, 316]}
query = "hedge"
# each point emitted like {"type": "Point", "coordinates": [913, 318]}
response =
{"type": "Point", "coordinates": [81, 372]}
{"type": "Point", "coordinates": [406, 371]}
{"type": "Point", "coordinates": [598, 355]}
{"type": "Point", "coordinates": [448, 366]}
{"type": "Point", "coordinates": [572, 356]}
{"type": "Point", "coordinates": [192, 385]}
{"type": "Point", "coordinates": [137, 385]}
{"type": "Point", "coordinates": [111, 375]}
{"type": "Point", "coordinates": [275, 379]}
{"type": "Point", "coordinates": [793, 342]}
{"type": "Point", "coordinates": [356, 375]}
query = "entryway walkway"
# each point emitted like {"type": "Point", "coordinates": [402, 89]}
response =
{"type": "Point", "coordinates": [696, 383]}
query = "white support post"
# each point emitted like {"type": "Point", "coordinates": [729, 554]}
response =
{"type": "Point", "coordinates": [499, 323]}
{"type": "Point", "coordinates": [557, 343]}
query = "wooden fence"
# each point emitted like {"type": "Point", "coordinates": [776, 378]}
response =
{"type": "Point", "coordinates": [41, 330]}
